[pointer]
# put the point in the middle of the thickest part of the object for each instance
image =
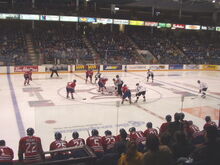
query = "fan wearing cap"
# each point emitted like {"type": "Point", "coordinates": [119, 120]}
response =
{"type": "Point", "coordinates": [140, 91]}
{"type": "Point", "coordinates": [202, 88]}
{"type": "Point", "coordinates": [31, 147]}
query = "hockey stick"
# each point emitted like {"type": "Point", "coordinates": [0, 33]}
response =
{"type": "Point", "coordinates": [195, 97]}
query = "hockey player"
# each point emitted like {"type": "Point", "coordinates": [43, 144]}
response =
{"type": "Point", "coordinates": [119, 84]}
{"type": "Point", "coordinates": [70, 88]}
{"type": "Point", "coordinates": [150, 130]}
{"type": "Point", "coordinates": [31, 147]}
{"type": "Point", "coordinates": [97, 76]}
{"type": "Point", "coordinates": [77, 142]}
{"type": "Point", "coordinates": [126, 94]}
{"type": "Point", "coordinates": [138, 137]}
{"type": "Point", "coordinates": [209, 122]}
{"type": "Point", "coordinates": [58, 144]}
{"type": "Point", "coordinates": [108, 141]}
{"type": "Point", "coordinates": [150, 74]}
{"type": "Point", "coordinates": [95, 143]}
{"type": "Point", "coordinates": [140, 91]}
{"type": "Point", "coordinates": [27, 77]}
{"type": "Point", "coordinates": [102, 81]}
{"type": "Point", "coordinates": [202, 88]}
{"type": "Point", "coordinates": [6, 154]}
{"type": "Point", "coordinates": [89, 74]}
{"type": "Point", "coordinates": [116, 86]}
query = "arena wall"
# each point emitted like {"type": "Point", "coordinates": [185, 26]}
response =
{"type": "Point", "coordinates": [108, 68]}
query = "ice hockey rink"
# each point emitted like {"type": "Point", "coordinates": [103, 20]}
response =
{"type": "Point", "coordinates": [43, 104]}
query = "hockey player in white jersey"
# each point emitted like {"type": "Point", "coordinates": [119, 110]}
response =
{"type": "Point", "coordinates": [150, 74]}
{"type": "Point", "coordinates": [202, 88]}
{"type": "Point", "coordinates": [140, 91]}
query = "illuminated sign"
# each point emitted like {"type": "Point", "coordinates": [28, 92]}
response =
{"type": "Point", "coordinates": [211, 28]}
{"type": "Point", "coordinates": [154, 24]}
{"type": "Point", "coordinates": [204, 27]}
{"type": "Point", "coordinates": [164, 25]}
{"type": "Point", "coordinates": [104, 20]}
{"type": "Point", "coordinates": [192, 27]}
{"type": "Point", "coordinates": [87, 19]}
{"type": "Point", "coordinates": [218, 28]}
{"type": "Point", "coordinates": [136, 23]}
{"type": "Point", "coordinates": [68, 18]}
{"type": "Point", "coordinates": [9, 16]}
{"type": "Point", "coordinates": [121, 21]}
{"type": "Point", "coordinates": [178, 26]}
{"type": "Point", "coordinates": [29, 17]}
{"type": "Point", "coordinates": [49, 18]}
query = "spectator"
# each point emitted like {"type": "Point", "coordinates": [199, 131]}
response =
{"type": "Point", "coordinates": [164, 126]}
{"type": "Point", "coordinates": [157, 154]}
{"type": "Point", "coordinates": [132, 156]}
{"type": "Point", "coordinates": [176, 125]}
{"type": "Point", "coordinates": [181, 147]}
{"type": "Point", "coordinates": [209, 122]}
{"type": "Point", "coordinates": [209, 152]}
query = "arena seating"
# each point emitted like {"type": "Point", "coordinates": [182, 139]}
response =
{"type": "Point", "coordinates": [13, 49]}
{"type": "Point", "coordinates": [65, 45]}
{"type": "Point", "coordinates": [113, 47]}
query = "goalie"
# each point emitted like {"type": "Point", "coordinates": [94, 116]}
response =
{"type": "Point", "coordinates": [140, 91]}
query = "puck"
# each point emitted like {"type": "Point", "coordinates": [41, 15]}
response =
{"type": "Point", "coordinates": [84, 98]}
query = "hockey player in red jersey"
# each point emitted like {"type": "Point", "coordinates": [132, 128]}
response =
{"type": "Point", "coordinates": [58, 144]}
{"type": "Point", "coordinates": [126, 93]}
{"type": "Point", "coordinates": [150, 130]}
{"type": "Point", "coordinates": [95, 143]}
{"type": "Point", "coordinates": [209, 122]}
{"type": "Point", "coordinates": [77, 142]}
{"type": "Point", "coordinates": [164, 126]}
{"type": "Point", "coordinates": [6, 154]}
{"type": "Point", "coordinates": [31, 147]}
{"type": "Point", "coordinates": [89, 74]}
{"type": "Point", "coordinates": [70, 88]}
{"type": "Point", "coordinates": [27, 77]}
{"type": "Point", "coordinates": [138, 137]}
{"type": "Point", "coordinates": [108, 141]}
{"type": "Point", "coordinates": [102, 81]}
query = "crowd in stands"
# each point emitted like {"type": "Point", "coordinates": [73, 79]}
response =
{"type": "Point", "coordinates": [63, 44]}
{"type": "Point", "coordinates": [173, 47]}
{"type": "Point", "coordinates": [67, 44]}
{"type": "Point", "coordinates": [13, 49]}
{"type": "Point", "coordinates": [113, 47]}
{"type": "Point", "coordinates": [177, 142]}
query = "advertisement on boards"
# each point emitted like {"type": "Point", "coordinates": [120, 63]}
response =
{"type": "Point", "coordinates": [112, 67]}
{"type": "Point", "coordinates": [191, 66]}
{"type": "Point", "coordinates": [136, 67]}
{"type": "Point", "coordinates": [158, 67]}
{"type": "Point", "coordinates": [85, 67]}
{"type": "Point", "coordinates": [176, 66]}
{"type": "Point", "coordinates": [25, 68]}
